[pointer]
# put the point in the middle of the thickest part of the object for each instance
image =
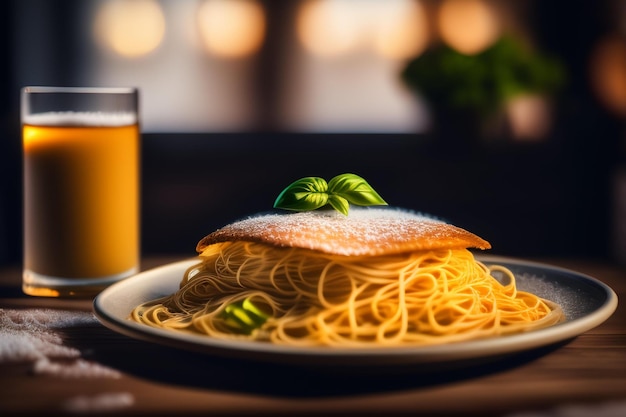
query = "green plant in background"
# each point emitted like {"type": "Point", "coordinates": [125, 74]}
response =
{"type": "Point", "coordinates": [484, 82]}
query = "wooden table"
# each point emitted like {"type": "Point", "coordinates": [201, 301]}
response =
{"type": "Point", "coordinates": [140, 378]}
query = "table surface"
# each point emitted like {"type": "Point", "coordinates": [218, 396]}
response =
{"type": "Point", "coordinates": [133, 377]}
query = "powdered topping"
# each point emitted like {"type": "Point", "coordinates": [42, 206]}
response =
{"type": "Point", "coordinates": [365, 231]}
{"type": "Point", "coordinates": [107, 402]}
{"type": "Point", "coordinates": [31, 336]}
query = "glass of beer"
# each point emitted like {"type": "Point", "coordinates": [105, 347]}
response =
{"type": "Point", "coordinates": [81, 149]}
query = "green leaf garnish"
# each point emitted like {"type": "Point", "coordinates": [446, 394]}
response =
{"type": "Point", "coordinates": [311, 193]}
{"type": "Point", "coordinates": [339, 203]}
{"type": "Point", "coordinates": [243, 316]}
{"type": "Point", "coordinates": [308, 193]}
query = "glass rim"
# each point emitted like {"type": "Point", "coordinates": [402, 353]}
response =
{"type": "Point", "coordinates": [80, 90]}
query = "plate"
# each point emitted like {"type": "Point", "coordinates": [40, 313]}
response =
{"type": "Point", "coordinates": [586, 301]}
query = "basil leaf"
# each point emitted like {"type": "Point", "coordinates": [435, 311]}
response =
{"type": "Point", "coordinates": [339, 203]}
{"type": "Point", "coordinates": [243, 316]}
{"type": "Point", "coordinates": [311, 193]}
{"type": "Point", "coordinates": [305, 194]}
{"type": "Point", "coordinates": [354, 189]}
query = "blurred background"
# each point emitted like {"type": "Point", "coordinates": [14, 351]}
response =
{"type": "Point", "coordinates": [504, 117]}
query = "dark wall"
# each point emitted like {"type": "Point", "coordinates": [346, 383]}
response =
{"type": "Point", "coordinates": [10, 153]}
{"type": "Point", "coordinates": [527, 200]}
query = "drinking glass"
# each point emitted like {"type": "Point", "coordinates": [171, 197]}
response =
{"type": "Point", "coordinates": [81, 150]}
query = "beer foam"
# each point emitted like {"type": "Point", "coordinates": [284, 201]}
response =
{"type": "Point", "coordinates": [70, 118]}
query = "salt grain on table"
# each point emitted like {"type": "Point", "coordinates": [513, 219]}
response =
{"type": "Point", "coordinates": [31, 336]}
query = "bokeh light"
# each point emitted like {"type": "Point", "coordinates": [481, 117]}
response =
{"type": "Point", "coordinates": [608, 73]}
{"type": "Point", "coordinates": [232, 28]}
{"type": "Point", "coordinates": [327, 27]}
{"type": "Point", "coordinates": [130, 28]}
{"type": "Point", "coordinates": [402, 31]}
{"type": "Point", "coordinates": [469, 26]}
{"type": "Point", "coordinates": [394, 29]}
{"type": "Point", "coordinates": [529, 117]}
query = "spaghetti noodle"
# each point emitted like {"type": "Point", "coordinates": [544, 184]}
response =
{"type": "Point", "coordinates": [301, 297]}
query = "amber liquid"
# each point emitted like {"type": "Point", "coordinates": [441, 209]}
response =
{"type": "Point", "coordinates": [81, 201]}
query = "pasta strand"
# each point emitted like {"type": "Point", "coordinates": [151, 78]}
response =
{"type": "Point", "coordinates": [316, 299]}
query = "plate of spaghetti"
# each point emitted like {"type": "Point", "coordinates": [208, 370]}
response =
{"type": "Point", "coordinates": [375, 286]}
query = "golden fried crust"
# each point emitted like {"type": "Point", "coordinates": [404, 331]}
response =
{"type": "Point", "coordinates": [365, 231]}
